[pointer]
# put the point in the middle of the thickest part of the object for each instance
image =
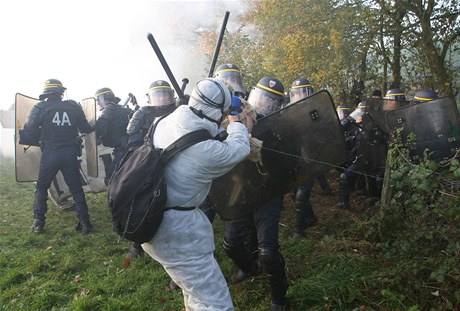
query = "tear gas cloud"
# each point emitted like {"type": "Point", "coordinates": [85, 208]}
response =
{"type": "Point", "coordinates": [89, 45]}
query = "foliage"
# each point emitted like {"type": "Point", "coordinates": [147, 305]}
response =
{"type": "Point", "coordinates": [340, 45]}
{"type": "Point", "coordinates": [419, 229]}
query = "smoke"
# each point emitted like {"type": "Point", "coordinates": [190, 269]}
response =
{"type": "Point", "coordinates": [104, 44]}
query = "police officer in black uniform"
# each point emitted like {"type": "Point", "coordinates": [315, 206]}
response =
{"type": "Point", "coordinates": [305, 217]}
{"type": "Point", "coordinates": [266, 97]}
{"type": "Point", "coordinates": [57, 122]}
{"type": "Point", "coordinates": [111, 127]}
{"type": "Point", "coordinates": [161, 102]}
{"type": "Point", "coordinates": [349, 170]}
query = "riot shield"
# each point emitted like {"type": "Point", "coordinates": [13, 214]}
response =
{"type": "Point", "coordinates": [298, 142]}
{"type": "Point", "coordinates": [373, 146]}
{"type": "Point", "coordinates": [89, 107]}
{"type": "Point", "coordinates": [27, 158]}
{"type": "Point", "coordinates": [436, 125]}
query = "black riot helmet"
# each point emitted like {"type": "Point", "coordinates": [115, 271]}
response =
{"type": "Point", "coordinates": [267, 96]}
{"type": "Point", "coordinates": [425, 95]}
{"type": "Point", "coordinates": [395, 94]}
{"type": "Point", "coordinates": [232, 75]}
{"type": "Point", "coordinates": [300, 89]}
{"type": "Point", "coordinates": [160, 94]}
{"type": "Point", "coordinates": [105, 96]}
{"type": "Point", "coordinates": [52, 86]}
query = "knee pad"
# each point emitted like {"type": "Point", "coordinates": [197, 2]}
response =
{"type": "Point", "coordinates": [232, 250]}
{"type": "Point", "coordinates": [270, 260]}
{"type": "Point", "coordinates": [300, 196]}
{"type": "Point", "coordinates": [343, 179]}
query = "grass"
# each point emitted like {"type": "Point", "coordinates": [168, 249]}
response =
{"type": "Point", "coordinates": [334, 268]}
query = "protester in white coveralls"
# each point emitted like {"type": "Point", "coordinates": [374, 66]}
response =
{"type": "Point", "coordinates": [184, 242]}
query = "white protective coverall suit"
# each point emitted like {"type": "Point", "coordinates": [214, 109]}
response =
{"type": "Point", "coordinates": [184, 242]}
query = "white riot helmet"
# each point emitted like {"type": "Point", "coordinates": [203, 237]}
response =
{"type": "Point", "coordinates": [212, 97]}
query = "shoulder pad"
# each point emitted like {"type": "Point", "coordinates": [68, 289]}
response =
{"type": "Point", "coordinates": [40, 105]}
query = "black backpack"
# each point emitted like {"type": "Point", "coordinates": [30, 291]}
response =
{"type": "Point", "coordinates": [137, 189]}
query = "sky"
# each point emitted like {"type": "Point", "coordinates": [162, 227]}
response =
{"type": "Point", "coordinates": [88, 45]}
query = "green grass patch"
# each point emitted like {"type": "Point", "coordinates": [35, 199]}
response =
{"type": "Point", "coordinates": [352, 260]}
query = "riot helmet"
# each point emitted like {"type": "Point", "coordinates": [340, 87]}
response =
{"type": "Point", "coordinates": [300, 89]}
{"type": "Point", "coordinates": [376, 94]}
{"type": "Point", "coordinates": [358, 114]}
{"type": "Point", "coordinates": [343, 111]}
{"type": "Point", "coordinates": [211, 99]}
{"type": "Point", "coordinates": [395, 94]}
{"type": "Point", "coordinates": [232, 75]}
{"type": "Point", "coordinates": [425, 95]}
{"type": "Point", "coordinates": [104, 96]}
{"type": "Point", "coordinates": [52, 86]}
{"type": "Point", "coordinates": [160, 94]}
{"type": "Point", "coordinates": [394, 99]}
{"type": "Point", "coordinates": [267, 96]}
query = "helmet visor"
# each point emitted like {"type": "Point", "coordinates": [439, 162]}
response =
{"type": "Point", "coordinates": [100, 101]}
{"type": "Point", "coordinates": [161, 96]}
{"type": "Point", "coordinates": [391, 104]}
{"type": "Point", "coordinates": [232, 77]}
{"type": "Point", "coordinates": [264, 102]}
{"type": "Point", "coordinates": [297, 94]}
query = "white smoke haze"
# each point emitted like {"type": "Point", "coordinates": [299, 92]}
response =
{"type": "Point", "coordinates": [92, 44]}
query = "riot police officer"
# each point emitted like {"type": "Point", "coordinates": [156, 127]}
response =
{"type": "Point", "coordinates": [111, 127]}
{"type": "Point", "coordinates": [161, 102]}
{"type": "Point", "coordinates": [266, 98]}
{"type": "Point", "coordinates": [424, 96]}
{"type": "Point", "coordinates": [305, 217]}
{"type": "Point", "coordinates": [232, 75]}
{"type": "Point", "coordinates": [57, 122]}
{"type": "Point", "coordinates": [348, 171]}
{"type": "Point", "coordinates": [394, 98]}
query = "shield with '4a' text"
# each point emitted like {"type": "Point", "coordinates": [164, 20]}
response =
{"type": "Point", "coordinates": [298, 142]}
{"type": "Point", "coordinates": [435, 124]}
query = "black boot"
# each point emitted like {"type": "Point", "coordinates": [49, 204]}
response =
{"type": "Point", "coordinates": [135, 251]}
{"type": "Point", "coordinates": [38, 225]}
{"type": "Point", "coordinates": [273, 265]}
{"type": "Point", "coordinates": [344, 192]}
{"type": "Point", "coordinates": [84, 226]}
{"type": "Point", "coordinates": [243, 258]}
{"type": "Point", "coordinates": [305, 217]}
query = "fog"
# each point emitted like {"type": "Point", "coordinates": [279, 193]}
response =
{"type": "Point", "coordinates": [89, 45]}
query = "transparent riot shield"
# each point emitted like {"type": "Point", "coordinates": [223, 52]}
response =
{"type": "Point", "coordinates": [373, 146]}
{"type": "Point", "coordinates": [299, 141]}
{"type": "Point", "coordinates": [89, 107]}
{"type": "Point", "coordinates": [27, 158]}
{"type": "Point", "coordinates": [436, 125]}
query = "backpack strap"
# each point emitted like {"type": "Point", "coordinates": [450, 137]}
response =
{"type": "Point", "coordinates": [153, 126]}
{"type": "Point", "coordinates": [184, 142]}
